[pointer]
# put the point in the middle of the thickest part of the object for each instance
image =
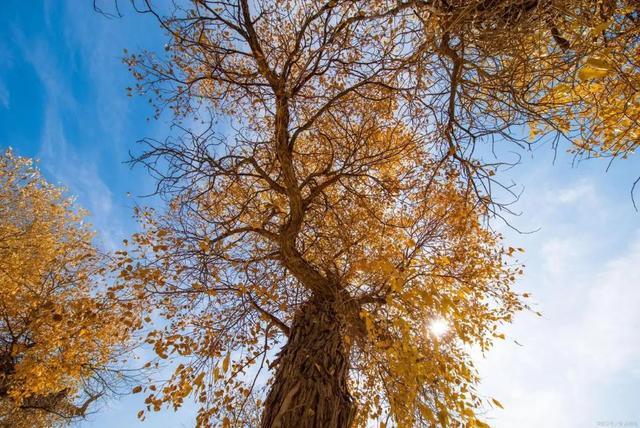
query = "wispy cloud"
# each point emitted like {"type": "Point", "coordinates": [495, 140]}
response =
{"type": "Point", "coordinates": [4, 95]}
{"type": "Point", "coordinates": [582, 191]}
{"type": "Point", "coordinates": [6, 61]}
{"type": "Point", "coordinates": [80, 175]}
{"type": "Point", "coordinates": [574, 358]}
{"type": "Point", "coordinates": [75, 169]}
{"type": "Point", "coordinates": [99, 44]}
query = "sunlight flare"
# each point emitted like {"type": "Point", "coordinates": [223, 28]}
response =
{"type": "Point", "coordinates": [439, 327]}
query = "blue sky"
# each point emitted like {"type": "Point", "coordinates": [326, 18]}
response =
{"type": "Point", "coordinates": [63, 101]}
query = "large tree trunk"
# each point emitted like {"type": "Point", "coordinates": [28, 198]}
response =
{"type": "Point", "coordinates": [310, 383]}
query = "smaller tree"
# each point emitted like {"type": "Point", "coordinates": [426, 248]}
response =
{"type": "Point", "coordinates": [58, 334]}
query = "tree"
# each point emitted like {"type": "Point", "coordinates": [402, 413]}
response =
{"type": "Point", "coordinates": [59, 336]}
{"type": "Point", "coordinates": [333, 198]}
{"type": "Point", "coordinates": [386, 242]}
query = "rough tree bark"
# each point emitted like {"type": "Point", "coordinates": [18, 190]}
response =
{"type": "Point", "coordinates": [310, 384]}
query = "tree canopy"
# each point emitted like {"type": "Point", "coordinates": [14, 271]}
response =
{"type": "Point", "coordinates": [60, 338]}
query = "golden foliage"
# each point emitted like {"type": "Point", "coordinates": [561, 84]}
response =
{"type": "Point", "coordinates": [596, 104]}
{"type": "Point", "coordinates": [392, 227]}
{"type": "Point", "coordinates": [56, 330]}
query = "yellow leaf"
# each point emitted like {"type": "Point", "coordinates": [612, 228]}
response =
{"type": "Point", "coordinates": [497, 403]}
{"type": "Point", "coordinates": [225, 363]}
{"type": "Point", "coordinates": [199, 379]}
{"type": "Point", "coordinates": [443, 417]}
{"type": "Point", "coordinates": [594, 68]}
{"type": "Point", "coordinates": [479, 424]}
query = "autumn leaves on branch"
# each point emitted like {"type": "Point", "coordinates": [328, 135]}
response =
{"type": "Point", "coordinates": [61, 337]}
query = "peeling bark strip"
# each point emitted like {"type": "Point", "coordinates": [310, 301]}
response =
{"type": "Point", "coordinates": [310, 385]}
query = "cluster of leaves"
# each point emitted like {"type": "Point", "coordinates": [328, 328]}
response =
{"type": "Point", "coordinates": [59, 337]}
{"type": "Point", "coordinates": [597, 105]}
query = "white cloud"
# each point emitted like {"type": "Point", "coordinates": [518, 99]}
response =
{"type": "Point", "coordinates": [80, 175]}
{"type": "Point", "coordinates": [559, 254]}
{"type": "Point", "coordinates": [583, 190]}
{"type": "Point", "coordinates": [71, 167]}
{"type": "Point", "coordinates": [99, 42]}
{"type": "Point", "coordinates": [611, 321]}
{"type": "Point", "coordinates": [578, 365]}
{"type": "Point", "coordinates": [6, 61]}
